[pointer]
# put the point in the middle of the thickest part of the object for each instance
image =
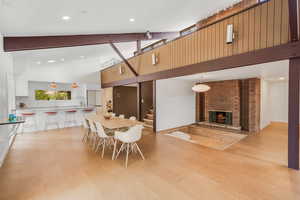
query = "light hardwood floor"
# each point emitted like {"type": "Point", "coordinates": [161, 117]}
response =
{"type": "Point", "coordinates": [56, 165]}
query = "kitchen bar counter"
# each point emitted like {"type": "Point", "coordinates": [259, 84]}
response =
{"type": "Point", "coordinates": [40, 116]}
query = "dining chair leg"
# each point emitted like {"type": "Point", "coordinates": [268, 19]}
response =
{"type": "Point", "coordinates": [127, 152]}
{"type": "Point", "coordinates": [98, 146]}
{"type": "Point", "coordinates": [114, 151]}
{"type": "Point", "coordinates": [121, 148]}
{"type": "Point", "coordinates": [139, 151]}
{"type": "Point", "coordinates": [103, 147]}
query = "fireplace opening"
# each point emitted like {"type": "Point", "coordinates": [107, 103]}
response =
{"type": "Point", "coordinates": [220, 117]}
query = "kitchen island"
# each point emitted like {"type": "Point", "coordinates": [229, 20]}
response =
{"type": "Point", "coordinates": [39, 116]}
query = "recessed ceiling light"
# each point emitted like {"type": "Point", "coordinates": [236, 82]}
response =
{"type": "Point", "coordinates": [62, 59]}
{"type": "Point", "coordinates": [66, 18]}
{"type": "Point", "coordinates": [131, 19]}
{"type": "Point", "coordinates": [81, 56]}
{"type": "Point", "coordinates": [281, 78]}
{"type": "Point", "coordinates": [51, 61]}
{"type": "Point", "coordinates": [38, 62]}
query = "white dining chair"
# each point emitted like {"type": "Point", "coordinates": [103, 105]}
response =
{"type": "Point", "coordinates": [113, 114]}
{"type": "Point", "coordinates": [94, 135]}
{"type": "Point", "coordinates": [103, 139]}
{"type": "Point", "coordinates": [132, 118]}
{"type": "Point", "coordinates": [129, 139]}
{"type": "Point", "coordinates": [121, 116]}
{"type": "Point", "coordinates": [87, 130]}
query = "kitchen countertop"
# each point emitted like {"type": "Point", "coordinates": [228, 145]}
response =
{"type": "Point", "coordinates": [54, 108]}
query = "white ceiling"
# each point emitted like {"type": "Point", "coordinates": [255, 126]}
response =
{"type": "Point", "coordinates": [43, 17]}
{"type": "Point", "coordinates": [274, 71]}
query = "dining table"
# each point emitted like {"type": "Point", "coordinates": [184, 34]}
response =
{"type": "Point", "coordinates": [114, 123]}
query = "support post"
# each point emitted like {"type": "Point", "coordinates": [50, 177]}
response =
{"type": "Point", "coordinates": [293, 114]}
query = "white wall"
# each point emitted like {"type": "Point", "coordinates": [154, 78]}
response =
{"type": "Point", "coordinates": [175, 103]}
{"type": "Point", "coordinates": [6, 97]}
{"type": "Point", "coordinates": [274, 102]}
{"type": "Point", "coordinates": [82, 71]}
{"type": "Point", "coordinates": [279, 101]}
{"type": "Point", "coordinates": [265, 114]}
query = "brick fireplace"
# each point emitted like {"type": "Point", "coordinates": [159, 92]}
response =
{"type": "Point", "coordinates": [234, 103]}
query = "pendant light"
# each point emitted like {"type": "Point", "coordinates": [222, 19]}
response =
{"type": "Point", "coordinates": [53, 85]}
{"type": "Point", "coordinates": [200, 88]}
{"type": "Point", "coordinates": [74, 85]}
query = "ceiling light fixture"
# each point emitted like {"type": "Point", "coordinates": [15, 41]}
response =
{"type": "Point", "coordinates": [66, 18]}
{"type": "Point", "coordinates": [200, 88]}
{"type": "Point", "coordinates": [281, 78]}
{"type": "Point", "coordinates": [131, 19]}
{"type": "Point", "coordinates": [82, 57]}
{"type": "Point", "coordinates": [51, 61]}
{"type": "Point", "coordinates": [148, 34]}
{"type": "Point", "coordinates": [38, 62]}
{"type": "Point", "coordinates": [62, 59]}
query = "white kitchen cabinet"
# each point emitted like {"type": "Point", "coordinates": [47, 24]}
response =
{"type": "Point", "coordinates": [21, 87]}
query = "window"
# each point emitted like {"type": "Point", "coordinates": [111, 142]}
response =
{"type": "Point", "coordinates": [46, 95]}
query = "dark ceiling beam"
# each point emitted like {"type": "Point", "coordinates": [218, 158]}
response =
{"type": "Point", "coordinates": [46, 42]}
{"type": "Point", "coordinates": [293, 19]}
{"type": "Point", "coordinates": [123, 58]}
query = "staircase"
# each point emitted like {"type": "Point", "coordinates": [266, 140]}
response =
{"type": "Point", "coordinates": [148, 120]}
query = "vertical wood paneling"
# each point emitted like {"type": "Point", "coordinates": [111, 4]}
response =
{"type": "Point", "coordinates": [202, 43]}
{"type": "Point", "coordinates": [213, 41]}
{"type": "Point", "coordinates": [284, 22]}
{"type": "Point", "coordinates": [222, 39]}
{"type": "Point", "coordinates": [270, 25]}
{"type": "Point", "coordinates": [263, 26]}
{"type": "Point", "coordinates": [217, 40]}
{"type": "Point", "coordinates": [277, 22]}
{"type": "Point", "coordinates": [246, 31]}
{"type": "Point", "coordinates": [251, 29]}
{"type": "Point", "coordinates": [257, 27]}
{"type": "Point", "coordinates": [209, 49]}
{"type": "Point", "coordinates": [205, 44]}
{"type": "Point", "coordinates": [241, 33]}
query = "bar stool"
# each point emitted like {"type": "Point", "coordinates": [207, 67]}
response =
{"type": "Point", "coordinates": [70, 117]}
{"type": "Point", "coordinates": [85, 112]}
{"type": "Point", "coordinates": [30, 121]}
{"type": "Point", "coordinates": [51, 118]}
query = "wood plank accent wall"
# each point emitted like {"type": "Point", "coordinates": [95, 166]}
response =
{"type": "Point", "coordinates": [266, 25]}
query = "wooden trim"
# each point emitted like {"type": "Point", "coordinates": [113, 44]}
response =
{"type": "Point", "coordinates": [225, 14]}
{"type": "Point", "coordinates": [154, 106]}
{"type": "Point", "coordinates": [281, 52]}
{"type": "Point", "coordinates": [123, 58]}
{"type": "Point", "coordinates": [46, 42]}
{"type": "Point", "coordinates": [293, 121]}
{"type": "Point", "coordinates": [118, 83]}
{"type": "Point", "coordinates": [293, 19]}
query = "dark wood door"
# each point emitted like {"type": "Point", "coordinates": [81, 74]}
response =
{"type": "Point", "coordinates": [125, 101]}
{"type": "Point", "coordinates": [146, 98]}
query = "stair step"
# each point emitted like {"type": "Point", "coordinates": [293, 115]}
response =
{"type": "Point", "coordinates": [148, 121]}
{"type": "Point", "coordinates": [148, 126]}
{"type": "Point", "coordinates": [150, 116]}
